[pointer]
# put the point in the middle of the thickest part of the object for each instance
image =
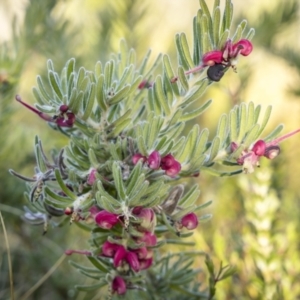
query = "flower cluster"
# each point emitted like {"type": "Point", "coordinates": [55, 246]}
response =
{"type": "Point", "coordinates": [132, 253]}
{"type": "Point", "coordinates": [249, 158]}
{"type": "Point", "coordinates": [154, 161]}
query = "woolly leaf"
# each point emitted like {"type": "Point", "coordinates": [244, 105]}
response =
{"type": "Point", "coordinates": [120, 95]}
{"type": "Point", "coordinates": [90, 102]}
{"type": "Point", "coordinates": [196, 112]}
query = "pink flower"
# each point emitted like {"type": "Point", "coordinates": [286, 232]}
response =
{"type": "Point", "coordinates": [147, 218]}
{"type": "Point", "coordinates": [170, 165]}
{"type": "Point", "coordinates": [154, 160]}
{"type": "Point", "coordinates": [149, 239]}
{"type": "Point", "coordinates": [132, 260]}
{"type": "Point", "coordinates": [146, 263]}
{"type": "Point", "coordinates": [106, 220]}
{"type": "Point", "coordinates": [190, 221]}
{"type": "Point", "coordinates": [110, 249]}
{"type": "Point", "coordinates": [229, 54]}
{"type": "Point", "coordinates": [137, 157]}
{"type": "Point", "coordinates": [120, 254]}
{"type": "Point", "coordinates": [91, 177]}
{"type": "Point", "coordinates": [118, 285]}
{"type": "Point", "coordinates": [249, 158]}
{"type": "Point", "coordinates": [64, 119]}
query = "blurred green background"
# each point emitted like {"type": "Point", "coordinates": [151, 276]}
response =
{"type": "Point", "coordinates": [255, 223]}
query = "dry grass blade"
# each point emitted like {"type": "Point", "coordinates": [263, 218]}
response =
{"type": "Point", "coordinates": [44, 278]}
{"type": "Point", "coordinates": [11, 283]}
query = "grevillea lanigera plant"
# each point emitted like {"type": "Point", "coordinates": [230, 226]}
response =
{"type": "Point", "coordinates": [123, 174]}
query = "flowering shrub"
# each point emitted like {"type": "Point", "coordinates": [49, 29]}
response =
{"type": "Point", "coordinates": [127, 150]}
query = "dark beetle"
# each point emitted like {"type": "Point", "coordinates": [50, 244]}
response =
{"type": "Point", "coordinates": [216, 72]}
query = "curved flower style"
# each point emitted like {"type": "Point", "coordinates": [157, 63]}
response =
{"type": "Point", "coordinates": [63, 119]}
{"type": "Point", "coordinates": [249, 158]}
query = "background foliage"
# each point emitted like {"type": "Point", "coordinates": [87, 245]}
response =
{"type": "Point", "coordinates": [255, 224]}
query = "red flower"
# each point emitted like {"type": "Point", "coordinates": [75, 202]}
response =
{"type": "Point", "coordinates": [170, 165]}
{"type": "Point", "coordinates": [118, 285]}
{"type": "Point", "coordinates": [147, 218]}
{"type": "Point", "coordinates": [106, 219]}
{"type": "Point", "coordinates": [154, 160]}
{"type": "Point", "coordinates": [137, 157]}
{"type": "Point", "coordinates": [133, 261]}
{"type": "Point", "coordinates": [91, 177]}
{"type": "Point", "coordinates": [190, 221]}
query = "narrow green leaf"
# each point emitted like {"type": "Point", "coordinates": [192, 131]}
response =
{"type": "Point", "coordinates": [185, 50]}
{"type": "Point", "coordinates": [233, 122]}
{"type": "Point", "coordinates": [242, 121]}
{"type": "Point", "coordinates": [63, 200]}
{"type": "Point", "coordinates": [63, 187]}
{"type": "Point", "coordinates": [223, 39]}
{"type": "Point", "coordinates": [222, 129]}
{"type": "Point", "coordinates": [250, 117]}
{"type": "Point", "coordinates": [170, 73]}
{"type": "Point", "coordinates": [118, 180]}
{"type": "Point", "coordinates": [70, 67]}
{"type": "Point", "coordinates": [103, 193]}
{"type": "Point", "coordinates": [55, 84]}
{"type": "Point", "coordinates": [250, 34]}
{"type": "Point", "coordinates": [98, 69]}
{"type": "Point", "coordinates": [160, 96]}
{"type": "Point", "coordinates": [265, 119]}
{"type": "Point", "coordinates": [195, 94]}
{"type": "Point", "coordinates": [196, 112]}
{"type": "Point", "coordinates": [128, 72]}
{"type": "Point", "coordinates": [39, 98]}
{"type": "Point", "coordinates": [182, 78]}
{"type": "Point", "coordinates": [88, 288]}
{"type": "Point", "coordinates": [196, 44]}
{"type": "Point", "coordinates": [144, 62]}
{"type": "Point", "coordinates": [252, 135]}
{"type": "Point", "coordinates": [100, 92]}
{"type": "Point", "coordinates": [42, 90]}
{"type": "Point", "coordinates": [108, 72]}
{"type": "Point", "coordinates": [274, 133]}
{"type": "Point", "coordinates": [216, 26]}
{"type": "Point", "coordinates": [120, 95]}
{"type": "Point", "coordinates": [214, 149]}
{"type": "Point", "coordinates": [90, 102]}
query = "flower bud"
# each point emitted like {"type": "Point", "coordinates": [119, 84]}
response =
{"type": "Point", "coordinates": [109, 249]}
{"type": "Point", "coordinates": [118, 285]}
{"type": "Point", "coordinates": [170, 165]}
{"type": "Point", "coordinates": [154, 160]}
{"type": "Point", "coordinates": [137, 157]}
{"type": "Point", "coordinates": [190, 221]}
{"type": "Point", "coordinates": [146, 263]}
{"type": "Point", "coordinates": [272, 152]}
{"type": "Point", "coordinates": [119, 255]}
{"type": "Point", "coordinates": [133, 261]}
{"type": "Point", "coordinates": [106, 220]}
{"type": "Point", "coordinates": [149, 239]}
{"type": "Point", "coordinates": [147, 218]}
{"type": "Point", "coordinates": [259, 148]}
{"type": "Point", "coordinates": [91, 177]}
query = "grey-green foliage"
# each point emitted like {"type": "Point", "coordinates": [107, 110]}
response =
{"type": "Point", "coordinates": [123, 108]}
